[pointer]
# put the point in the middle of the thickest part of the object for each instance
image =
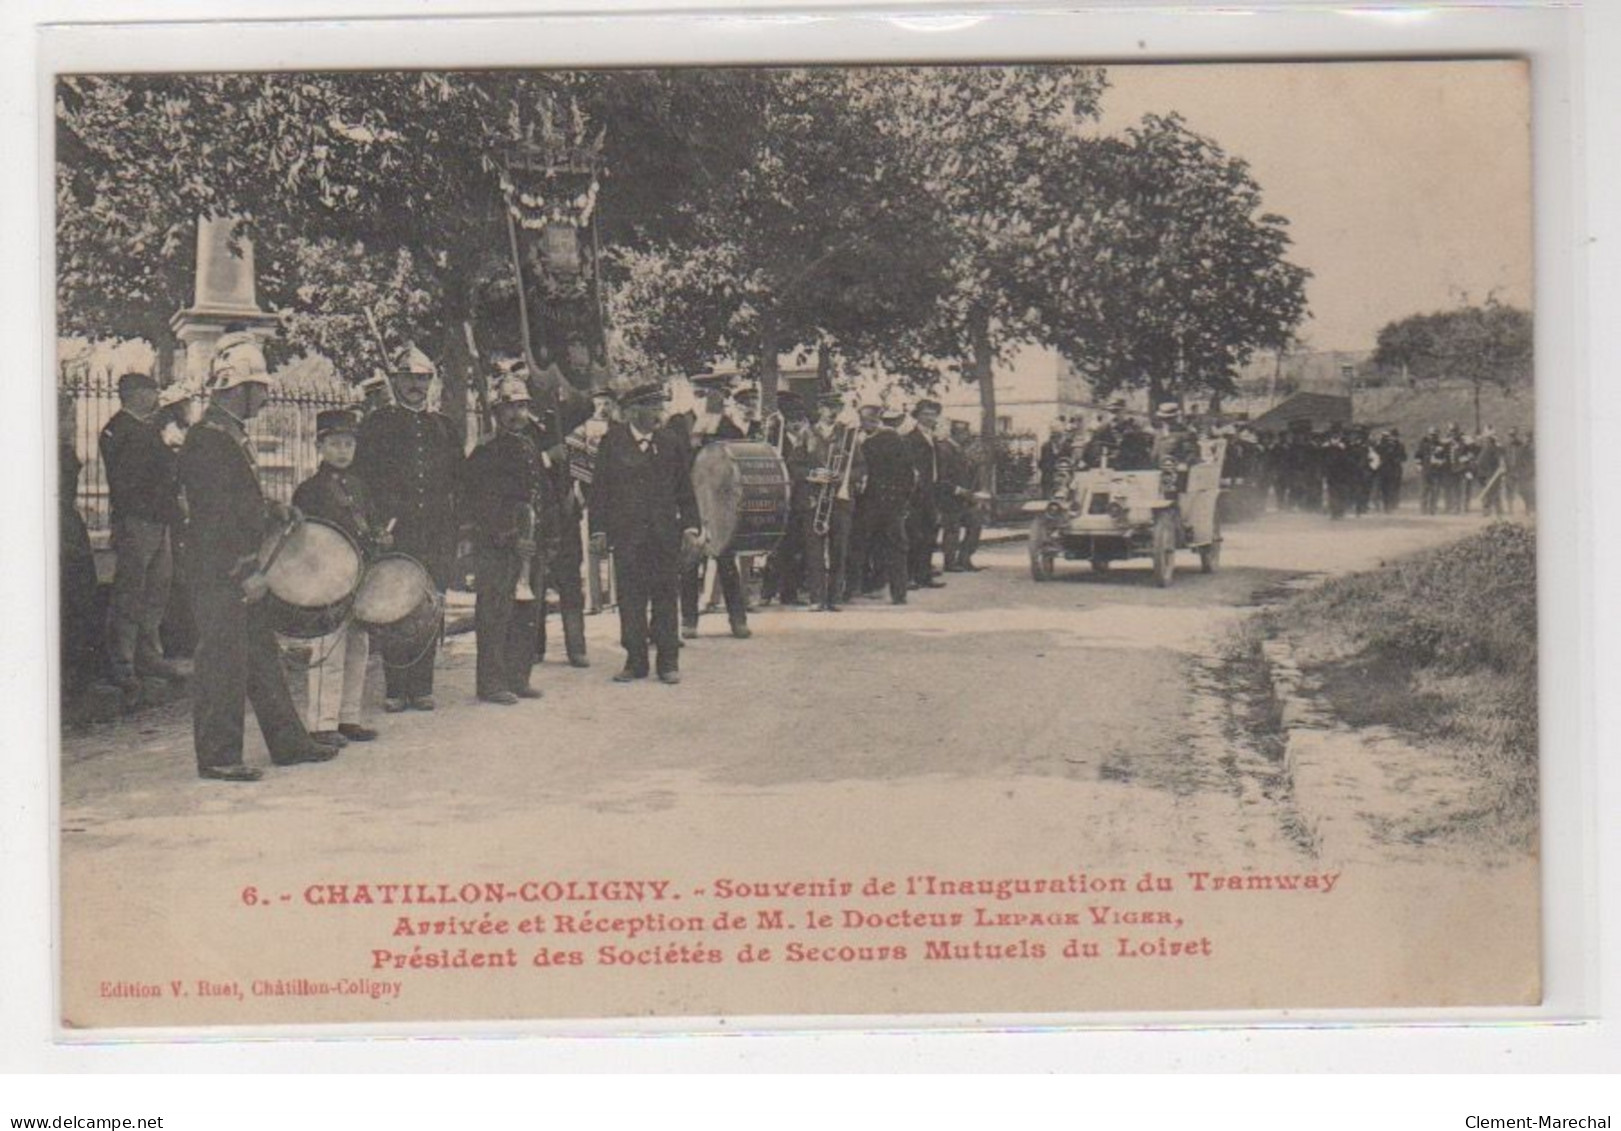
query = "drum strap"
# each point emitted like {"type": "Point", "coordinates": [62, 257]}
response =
{"type": "Point", "coordinates": [346, 499]}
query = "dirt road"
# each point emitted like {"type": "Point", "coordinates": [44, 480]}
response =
{"type": "Point", "coordinates": [1082, 731]}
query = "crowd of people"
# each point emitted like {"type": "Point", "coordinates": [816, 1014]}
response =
{"type": "Point", "coordinates": [1340, 470]}
{"type": "Point", "coordinates": [565, 477]}
{"type": "Point", "coordinates": [874, 497]}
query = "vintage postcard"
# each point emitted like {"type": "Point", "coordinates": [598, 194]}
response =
{"type": "Point", "coordinates": [735, 542]}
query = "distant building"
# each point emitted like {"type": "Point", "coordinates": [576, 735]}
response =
{"type": "Point", "coordinates": [1033, 389]}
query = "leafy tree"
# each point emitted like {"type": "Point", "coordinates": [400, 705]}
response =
{"type": "Point", "coordinates": [1489, 344]}
{"type": "Point", "coordinates": [820, 235]}
{"type": "Point", "coordinates": [364, 190]}
{"type": "Point", "coordinates": [984, 142]}
{"type": "Point", "coordinates": [1168, 275]}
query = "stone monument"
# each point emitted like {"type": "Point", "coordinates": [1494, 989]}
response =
{"type": "Point", "coordinates": [226, 296]}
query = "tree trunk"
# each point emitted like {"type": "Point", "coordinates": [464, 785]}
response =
{"type": "Point", "coordinates": [824, 367]}
{"type": "Point", "coordinates": [456, 368]}
{"type": "Point", "coordinates": [768, 369]}
{"type": "Point", "coordinates": [1156, 394]}
{"type": "Point", "coordinates": [982, 368]}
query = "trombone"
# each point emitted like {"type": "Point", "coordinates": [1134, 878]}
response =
{"type": "Point", "coordinates": [844, 451]}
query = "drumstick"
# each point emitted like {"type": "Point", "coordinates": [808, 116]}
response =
{"type": "Point", "coordinates": [282, 535]}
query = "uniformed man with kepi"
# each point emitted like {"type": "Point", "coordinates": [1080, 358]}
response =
{"type": "Point", "coordinates": [409, 456]}
{"type": "Point", "coordinates": [144, 491]}
{"type": "Point", "coordinates": [238, 660]}
{"type": "Point", "coordinates": [643, 508]}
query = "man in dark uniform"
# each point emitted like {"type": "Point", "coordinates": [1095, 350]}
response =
{"type": "Point", "coordinates": [1360, 468]}
{"type": "Point", "coordinates": [1432, 463]}
{"type": "Point", "coordinates": [1460, 462]}
{"type": "Point", "coordinates": [891, 480]}
{"type": "Point", "coordinates": [238, 660]}
{"type": "Point", "coordinates": [409, 456]}
{"type": "Point", "coordinates": [506, 493]}
{"type": "Point", "coordinates": [1392, 458]}
{"type": "Point", "coordinates": [923, 516]}
{"type": "Point", "coordinates": [643, 507]}
{"type": "Point", "coordinates": [831, 443]}
{"type": "Point", "coordinates": [735, 422]}
{"type": "Point", "coordinates": [143, 486]}
{"type": "Point", "coordinates": [1339, 472]}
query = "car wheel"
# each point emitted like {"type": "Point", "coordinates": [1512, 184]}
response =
{"type": "Point", "coordinates": [1210, 555]}
{"type": "Point", "coordinates": [1164, 549]}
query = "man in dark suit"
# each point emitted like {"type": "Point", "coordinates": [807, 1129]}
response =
{"type": "Point", "coordinates": [881, 510]}
{"type": "Point", "coordinates": [238, 660]}
{"type": "Point", "coordinates": [923, 516]}
{"type": "Point", "coordinates": [409, 456]}
{"type": "Point", "coordinates": [642, 504]}
{"type": "Point", "coordinates": [144, 491]}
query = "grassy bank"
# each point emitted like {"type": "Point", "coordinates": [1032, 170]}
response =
{"type": "Point", "coordinates": [1441, 646]}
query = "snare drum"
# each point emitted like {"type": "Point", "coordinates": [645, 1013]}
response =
{"type": "Point", "coordinates": [312, 570]}
{"type": "Point", "coordinates": [742, 489]}
{"type": "Point", "coordinates": [398, 602]}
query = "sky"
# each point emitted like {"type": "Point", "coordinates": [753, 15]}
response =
{"type": "Point", "coordinates": [1407, 184]}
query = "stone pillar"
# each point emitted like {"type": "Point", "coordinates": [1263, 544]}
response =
{"type": "Point", "coordinates": [225, 295]}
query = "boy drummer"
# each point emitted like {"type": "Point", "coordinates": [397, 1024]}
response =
{"type": "Point", "coordinates": [338, 661]}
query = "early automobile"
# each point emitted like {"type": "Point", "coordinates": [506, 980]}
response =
{"type": "Point", "coordinates": [1103, 515]}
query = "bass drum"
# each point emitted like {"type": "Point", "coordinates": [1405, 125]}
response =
{"type": "Point", "coordinates": [313, 569]}
{"type": "Point", "coordinates": [399, 604]}
{"type": "Point", "coordinates": [742, 488]}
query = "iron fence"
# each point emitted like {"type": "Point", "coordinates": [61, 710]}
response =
{"type": "Point", "coordinates": [283, 437]}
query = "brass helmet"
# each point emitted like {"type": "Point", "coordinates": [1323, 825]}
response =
{"type": "Point", "coordinates": [511, 390]}
{"type": "Point", "coordinates": [412, 360]}
{"type": "Point", "coordinates": [238, 359]}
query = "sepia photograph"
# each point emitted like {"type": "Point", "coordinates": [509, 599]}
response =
{"type": "Point", "coordinates": [827, 541]}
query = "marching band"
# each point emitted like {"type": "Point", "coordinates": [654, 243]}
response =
{"type": "Point", "coordinates": [839, 507]}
